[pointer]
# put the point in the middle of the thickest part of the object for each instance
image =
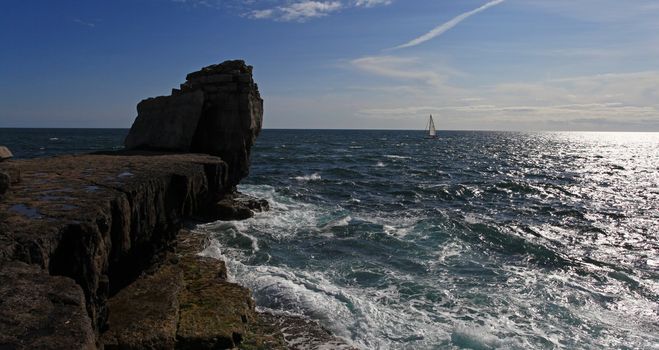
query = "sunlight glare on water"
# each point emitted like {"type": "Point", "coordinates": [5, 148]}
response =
{"type": "Point", "coordinates": [476, 240]}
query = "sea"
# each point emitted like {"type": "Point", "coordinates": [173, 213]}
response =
{"type": "Point", "coordinates": [472, 240]}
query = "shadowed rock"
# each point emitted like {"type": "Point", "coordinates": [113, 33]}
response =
{"type": "Point", "coordinates": [101, 219]}
{"type": "Point", "coordinates": [5, 182]}
{"type": "Point", "coordinates": [217, 111]}
{"type": "Point", "coordinates": [39, 311]}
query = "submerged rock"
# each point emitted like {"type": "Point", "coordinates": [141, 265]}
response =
{"type": "Point", "coordinates": [238, 206]}
{"type": "Point", "coordinates": [217, 111]}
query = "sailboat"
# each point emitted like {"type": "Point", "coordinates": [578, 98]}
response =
{"type": "Point", "coordinates": [430, 129]}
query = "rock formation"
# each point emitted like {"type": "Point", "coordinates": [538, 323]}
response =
{"type": "Point", "coordinates": [5, 153]}
{"type": "Point", "coordinates": [100, 220]}
{"type": "Point", "coordinates": [91, 254]}
{"type": "Point", "coordinates": [217, 111]}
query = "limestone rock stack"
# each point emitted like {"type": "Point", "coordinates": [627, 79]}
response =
{"type": "Point", "coordinates": [217, 111]}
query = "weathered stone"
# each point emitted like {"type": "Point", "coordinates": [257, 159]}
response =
{"type": "Point", "coordinates": [5, 182]}
{"type": "Point", "coordinates": [166, 123]}
{"type": "Point", "coordinates": [227, 210]}
{"type": "Point", "coordinates": [11, 169]}
{"type": "Point", "coordinates": [215, 79]}
{"type": "Point", "coordinates": [302, 333]}
{"type": "Point", "coordinates": [5, 153]}
{"type": "Point", "coordinates": [144, 315]}
{"type": "Point", "coordinates": [244, 78]}
{"type": "Point", "coordinates": [238, 206]}
{"type": "Point", "coordinates": [214, 314]}
{"type": "Point", "coordinates": [38, 311]}
{"type": "Point", "coordinates": [198, 308]}
{"type": "Point", "coordinates": [101, 219]}
{"type": "Point", "coordinates": [213, 317]}
{"type": "Point", "coordinates": [225, 125]}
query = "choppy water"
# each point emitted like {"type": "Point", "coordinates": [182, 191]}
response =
{"type": "Point", "coordinates": [480, 240]}
{"type": "Point", "coordinates": [475, 240]}
{"type": "Point", "coordinates": [31, 143]}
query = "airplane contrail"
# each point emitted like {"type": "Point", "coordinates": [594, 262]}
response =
{"type": "Point", "coordinates": [444, 27]}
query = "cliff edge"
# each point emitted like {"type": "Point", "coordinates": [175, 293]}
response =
{"type": "Point", "coordinates": [77, 231]}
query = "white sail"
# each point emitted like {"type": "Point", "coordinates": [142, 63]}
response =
{"type": "Point", "coordinates": [432, 132]}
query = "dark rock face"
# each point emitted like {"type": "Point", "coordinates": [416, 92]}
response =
{"type": "Point", "coordinates": [39, 311]}
{"type": "Point", "coordinates": [5, 182]}
{"type": "Point", "coordinates": [101, 219]}
{"type": "Point", "coordinates": [217, 111]}
{"type": "Point", "coordinates": [167, 122]}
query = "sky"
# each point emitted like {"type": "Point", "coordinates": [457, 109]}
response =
{"type": "Point", "coordinates": [587, 65]}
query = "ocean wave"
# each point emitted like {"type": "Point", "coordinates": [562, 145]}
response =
{"type": "Point", "coordinates": [312, 177]}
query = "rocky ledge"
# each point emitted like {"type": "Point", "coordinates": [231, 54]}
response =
{"type": "Point", "coordinates": [77, 229]}
{"type": "Point", "coordinates": [92, 254]}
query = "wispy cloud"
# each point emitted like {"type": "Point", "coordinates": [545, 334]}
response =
{"type": "Point", "coordinates": [90, 24]}
{"type": "Point", "coordinates": [298, 11]}
{"type": "Point", "coordinates": [201, 3]}
{"type": "Point", "coordinates": [625, 101]}
{"type": "Point", "coordinates": [371, 3]}
{"type": "Point", "coordinates": [284, 10]}
{"type": "Point", "coordinates": [303, 10]}
{"type": "Point", "coordinates": [398, 68]}
{"type": "Point", "coordinates": [444, 27]}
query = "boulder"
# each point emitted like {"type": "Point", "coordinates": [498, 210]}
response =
{"type": "Point", "coordinates": [217, 111]}
{"type": "Point", "coordinates": [5, 153]}
{"type": "Point", "coordinates": [238, 206]}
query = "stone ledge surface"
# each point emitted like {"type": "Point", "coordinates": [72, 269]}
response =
{"type": "Point", "coordinates": [39, 311]}
{"type": "Point", "coordinates": [101, 219]}
{"type": "Point", "coordinates": [187, 303]}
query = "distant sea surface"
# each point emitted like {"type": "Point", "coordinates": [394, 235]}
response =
{"type": "Point", "coordinates": [481, 240]}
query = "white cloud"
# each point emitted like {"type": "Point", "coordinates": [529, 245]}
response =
{"type": "Point", "coordinates": [204, 3]}
{"type": "Point", "coordinates": [303, 10]}
{"type": "Point", "coordinates": [262, 14]}
{"type": "Point", "coordinates": [371, 3]}
{"type": "Point", "coordinates": [626, 101]}
{"type": "Point", "coordinates": [444, 27]}
{"type": "Point", "coordinates": [397, 68]}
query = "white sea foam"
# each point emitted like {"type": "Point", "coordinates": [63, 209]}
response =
{"type": "Point", "coordinates": [401, 310]}
{"type": "Point", "coordinates": [312, 177]}
{"type": "Point", "coordinates": [393, 156]}
{"type": "Point", "coordinates": [380, 164]}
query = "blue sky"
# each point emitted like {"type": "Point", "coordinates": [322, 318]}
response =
{"type": "Point", "coordinates": [474, 64]}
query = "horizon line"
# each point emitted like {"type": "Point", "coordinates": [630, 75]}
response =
{"type": "Point", "coordinates": [362, 129]}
